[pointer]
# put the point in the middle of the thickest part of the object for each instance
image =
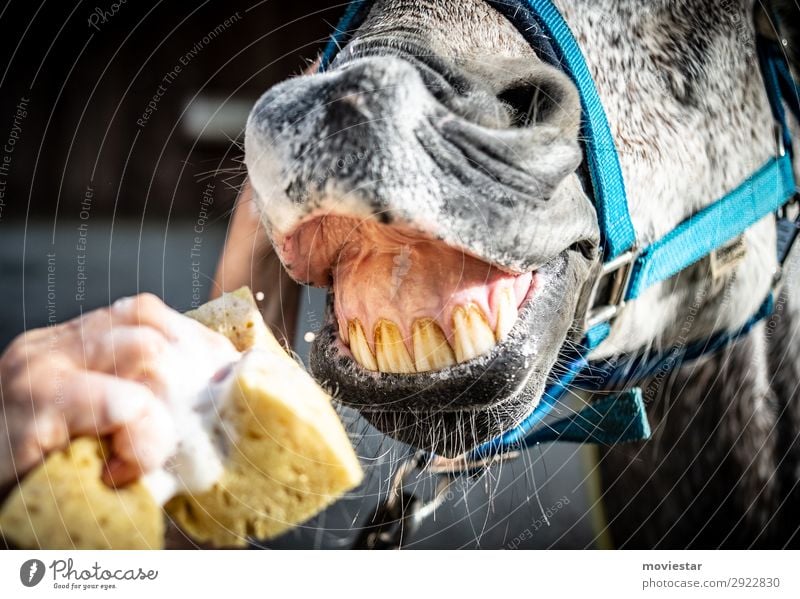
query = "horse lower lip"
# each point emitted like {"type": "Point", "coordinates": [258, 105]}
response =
{"type": "Point", "coordinates": [451, 410]}
{"type": "Point", "coordinates": [461, 386]}
{"type": "Point", "coordinates": [427, 349]}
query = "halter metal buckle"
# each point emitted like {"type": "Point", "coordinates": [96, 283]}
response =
{"type": "Point", "coordinates": [607, 296]}
{"type": "Point", "coordinates": [788, 230]}
{"type": "Point", "coordinates": [398, 516]}
{"type": "Point", "coordinates": [781, 145]}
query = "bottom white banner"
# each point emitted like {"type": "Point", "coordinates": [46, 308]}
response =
{"type": "Point", "coordinates": [138, 574]}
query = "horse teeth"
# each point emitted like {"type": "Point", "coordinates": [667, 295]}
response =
{"type": "Point", "coordinates": [390, 350]}
{"type": "Point", "coordinates": [360, 347]}
{"type": "Point", "coordinates": [472, 336]}
{"type": "Point", "coordinates": [431, 349]}
{"type": "Point", "coordinates": [506, 314]}
{"type": "Point", "coordinates": [471, 333]}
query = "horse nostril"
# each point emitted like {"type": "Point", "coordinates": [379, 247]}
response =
{"type": "Point", "coordinates": [530, 103]}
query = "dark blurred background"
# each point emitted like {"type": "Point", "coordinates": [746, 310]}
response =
{"type": "Point", "coordinates": [121, 125]}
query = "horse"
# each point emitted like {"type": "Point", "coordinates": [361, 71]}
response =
{"type": "Point", "coordinates": [433, 177]}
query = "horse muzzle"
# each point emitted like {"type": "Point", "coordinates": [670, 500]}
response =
{"type": "Point", "coordinates": [456, 240]}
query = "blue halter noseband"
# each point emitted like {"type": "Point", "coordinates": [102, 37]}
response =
{"type": "Point", "coordinates": [627, 269]}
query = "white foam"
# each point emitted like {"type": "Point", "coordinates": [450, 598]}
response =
{"type": "Point", "coordinates": [198, 384]}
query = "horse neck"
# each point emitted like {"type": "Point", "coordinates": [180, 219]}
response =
{"type": "Point", "coordinates": [682, 89]}
{"type": "Point", "coordinates": [721, 468]}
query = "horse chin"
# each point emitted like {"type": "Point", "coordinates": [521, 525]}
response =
{"type": "Point", "coordinates": [450, 410]}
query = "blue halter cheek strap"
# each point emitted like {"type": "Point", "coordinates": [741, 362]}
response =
{"type": "Point", "coordinates": [628, 270]}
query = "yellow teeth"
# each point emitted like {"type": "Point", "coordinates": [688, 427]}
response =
{"type": "Point", "coordinates": [360, 347]}
{"type": "Point", "coordinates": [431, 349]}
{"type": "Point", "coordinates": [506, 314]}
{"type": "Point", "coordinates": [471, 333]}
{"type": "Point", "coordinates": [472, 337]}
{"type": "Point", "coordinates": [390, 350]}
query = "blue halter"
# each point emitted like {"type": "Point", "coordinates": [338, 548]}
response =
{"type": "Point", "coordinates": [630, 269]}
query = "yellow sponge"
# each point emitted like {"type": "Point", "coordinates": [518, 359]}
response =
{"type": "Point", "coordinates": [293, 458]}
{"type": "Point", "coordinates": [236, 315]}
{"type": "Point", "coordinates": [287, 457]}
{"type": "Point", "coordinates": [64, 504]}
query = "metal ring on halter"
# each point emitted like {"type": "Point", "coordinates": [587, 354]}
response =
{"type": "Point", "coordinates": [401, 513]}
{"type": "Point", "coordinates": [462, 465]}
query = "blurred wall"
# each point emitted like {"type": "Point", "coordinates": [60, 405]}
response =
{"type": "Point", "coordinates": [105, 93]}
{"type": "Point", "coordinates": [120, 142]}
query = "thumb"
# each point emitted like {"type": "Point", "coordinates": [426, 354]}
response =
{"type": "Point", "coordinates": [141, 428]}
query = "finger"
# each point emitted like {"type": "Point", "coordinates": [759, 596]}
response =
{"type": "Point", "coordinates": [142, 430]}
{"type": "Point", "coordinates": [28, 431]}
{"type": "Point", "coordinates": [144, 355]}
{"type": "Point", "coordinates": [119, 473]}
{"type": "Point", "coordinates": [15, 463]}
{"type": "Point", "coordinates": [148, 310]}
{"type": "Point", "coordinates": [144, 309]}
{"type": "Point", "coordinates": [18, 455]}
{"type": "Point", "coordinates": [145, 443]}
{"type": "Point", "coordinates": [93, 404]}
{"type": "Point", "coordinates": [125, 350]}
{"type": "Point", "coordinates": [96, 404]}
{"type": "Point", "coordinates": [137, 332]}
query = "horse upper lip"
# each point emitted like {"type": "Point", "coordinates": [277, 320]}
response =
{"type": "Point", "coordinates": [422, 161]}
